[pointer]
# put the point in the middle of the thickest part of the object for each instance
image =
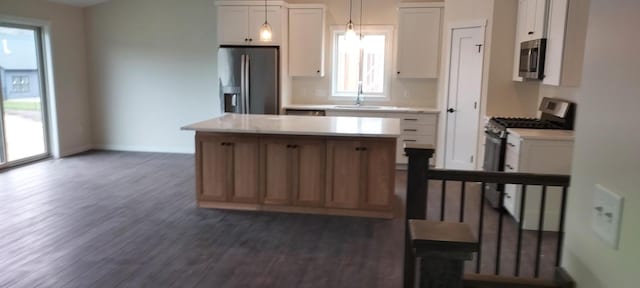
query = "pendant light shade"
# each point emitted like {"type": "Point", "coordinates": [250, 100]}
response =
{"type": "Point", "coordinates": [265, 30]}
{"type": "Point", "coordinates": [350, 34]}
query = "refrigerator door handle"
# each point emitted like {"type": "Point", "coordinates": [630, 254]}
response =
{"type": "Point", "coordinates": [247, 83]}
{"type": "Point", "coordinates": [242, 84]}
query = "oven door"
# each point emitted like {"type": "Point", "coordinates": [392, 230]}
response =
{"type": "Point", "coordinates": [494, 151]}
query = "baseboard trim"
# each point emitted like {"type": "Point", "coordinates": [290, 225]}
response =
{"type": "Point", "coordinates": [75, 150]}
{"type": "Point", "coordinates": [153, 149]}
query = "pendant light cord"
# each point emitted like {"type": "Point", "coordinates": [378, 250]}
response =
{"type": "Point", "coordinates": [265, 12]}
{"type": "Point", "coordinates": [350, 8]}
{"type": "Point", "coordinates": [361, 36]}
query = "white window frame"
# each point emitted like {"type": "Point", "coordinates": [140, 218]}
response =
{"type": "Point", "coordinates": [388, 31]}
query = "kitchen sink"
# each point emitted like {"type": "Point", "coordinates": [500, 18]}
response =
{"type": "Point", "coordinates": [357, 107]}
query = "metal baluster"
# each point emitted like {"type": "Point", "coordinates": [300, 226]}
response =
{"type": "Point", "coordinates": [563, 208]}
{"type": "Point", "coordinates": [480, 227]}
{"type": "Point", "coordinates": [540, 228]}
{"type": "Point", "coordinates": [500, 221]}
{"type": "Point", "coordinates": [442, 199]}
{"type": "Point", "coordinates": [462, 196]}
{"type": "Point", "coordinates": [523, 201]}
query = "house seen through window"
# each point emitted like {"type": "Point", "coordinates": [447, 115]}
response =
{"type": "Point", "coordinates": [20, 84]}
{"type": "Point", "coordinates": [373, 52]}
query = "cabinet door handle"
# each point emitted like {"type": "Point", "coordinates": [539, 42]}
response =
{"type": "Point", "coordinates": [511, 144]}
{"type": "Point", "coordinates": [507, 196]}
{"type": "Point", "coordinates": [410, 119]}
{"type": "Point", "coordinates": [246, 39]}
{"type": "Point", "coordinates": [398, 72]}
{"type": "Point", "coordinates": [530, 32]}
{"type": "Point", "coordinates": [411, 130]}
{"type": "Point", "coordinates": [250, 39]}
{"type": "Point", "coordinates": [410, 140]}
{"type": "Point", "coordinates": [317, 71]}
{"type": "Point", "coordinates": [509, 167]}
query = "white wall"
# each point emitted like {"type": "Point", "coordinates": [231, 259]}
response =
{"type": "Point", "coordinates": [504, 96]}
{"type": "Point", "coordinates": [606, 148]}
{"type": "Point", "coordinates": [71, 111]}
{"type": "Point", "coordinates": [152, 70]}
{"type": "Point", "coordinates": [404, 92]}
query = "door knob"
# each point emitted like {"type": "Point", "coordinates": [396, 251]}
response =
{"type": "Point", "coordinates": [451, 110]}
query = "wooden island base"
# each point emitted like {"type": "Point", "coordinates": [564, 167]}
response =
{"type": "Point", "coordinates": [333, 175]}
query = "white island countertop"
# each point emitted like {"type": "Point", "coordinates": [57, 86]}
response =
{"type": "Point", "coordinates": [543, 134]}
{"type": "Point", "coordinates": [300, 125]}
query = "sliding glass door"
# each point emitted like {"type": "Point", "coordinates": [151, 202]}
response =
{"type": "Point", "coordinates": [23, 127]}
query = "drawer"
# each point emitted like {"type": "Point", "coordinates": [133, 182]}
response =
{"type": "Point", "coordinates": [419, 139]}
{"type": "Point", "coordinates": [511, 164]}
{"type": "Point", "coordinates": [510, 200]}
{"type": "Point", "coordinates": [414, 129]}
{"type": "Point", "coordinates": [415, 118]}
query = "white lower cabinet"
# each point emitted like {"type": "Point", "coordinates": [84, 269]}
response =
{"type": "Point", "coordinates": [543, 156]}
{"type": "Point", "coordinates": [419, 128]}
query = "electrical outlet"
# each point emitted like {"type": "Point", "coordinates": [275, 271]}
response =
{"type": "Point", "coordinates": [606, 215]}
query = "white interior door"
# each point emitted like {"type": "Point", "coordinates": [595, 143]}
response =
{"type": "Point", "coordinates": [464, 89]}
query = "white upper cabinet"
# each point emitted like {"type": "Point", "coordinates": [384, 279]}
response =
{"type": "Point", "coordinates": [531, 24]}
{"type": "Point", "coordinates": [306, 42]}
{"type": "Point", "coordinates": [564, 26]}
{"type": "Point", "coordinates": [233, 24]}
{"type": "Point", "coordinates": [553, 68]}
{"type": "Point", "coordinates": [240, 25]}
{"type": "Point", "coordinates": [418, 49]}
{"type": "Point", "coordinates": [535, 22]}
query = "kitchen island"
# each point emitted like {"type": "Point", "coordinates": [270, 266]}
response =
{"type": "Point", "coordinates": [299, 164]}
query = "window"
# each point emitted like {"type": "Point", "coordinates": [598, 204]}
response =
{"type": "Point", "coordinates": [374, 50]}
{"type": "Point", "coordinates": [20, 84]}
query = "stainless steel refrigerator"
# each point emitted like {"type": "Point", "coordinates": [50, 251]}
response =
{"type": "Point", "coordinates": [249, 79]}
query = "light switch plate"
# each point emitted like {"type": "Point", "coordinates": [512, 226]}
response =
{"type": "Point", "coordinates": [606, 215]}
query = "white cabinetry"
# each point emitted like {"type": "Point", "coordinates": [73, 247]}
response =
{"type": "Point", "coordinates": [544, 155]}
{"type": "Point", "coordinates": [306, 42]}
{"type": "Point", "coordinates": [553, 68]}
{"type": "Point", "coordinates": [563, 25]}
{"type": "Point", "coordinates": [240, 25]}
{"type": "Point", "coordinates": [418, 42]}
{"type": "Point", "coordinates": [419, 128]}
{"type": "Point", "coordinates": [531, 25]}
{"type": "Point", "coordinates": [535, 22]}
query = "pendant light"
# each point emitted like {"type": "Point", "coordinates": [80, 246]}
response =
{"type": "Point", "coordinates": [351, 31]}
{"type": "Point", "coordinates": [265, 30]}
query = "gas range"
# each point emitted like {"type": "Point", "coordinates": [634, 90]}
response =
{"type": "Point", "coordinates": [499, 125]}
{"type": "Point", "coordinates": [554, 114]}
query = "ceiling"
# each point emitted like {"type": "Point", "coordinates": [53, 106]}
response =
{"type": "Point", "coordinates": [81, 3]}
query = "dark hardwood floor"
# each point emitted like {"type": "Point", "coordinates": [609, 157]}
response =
{"type": "Point", "coordinates": [122, 219]}
{"type": "Point", "coordinates": [115, 219]}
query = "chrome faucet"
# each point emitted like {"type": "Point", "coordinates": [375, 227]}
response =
{"type": "Point", "coordinates": [359, 100]}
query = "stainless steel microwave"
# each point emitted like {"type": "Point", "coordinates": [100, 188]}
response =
{"type": "Point", "coordinates": [532, 55]}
